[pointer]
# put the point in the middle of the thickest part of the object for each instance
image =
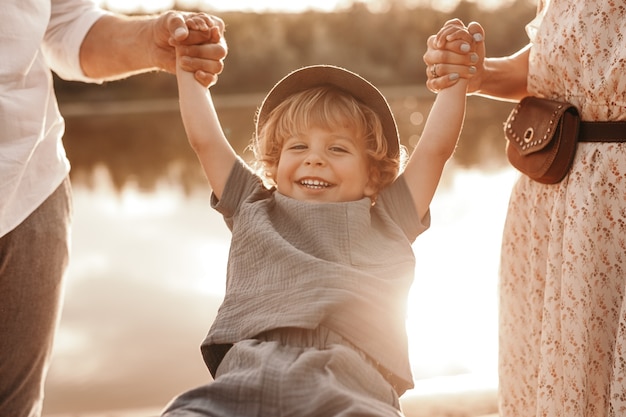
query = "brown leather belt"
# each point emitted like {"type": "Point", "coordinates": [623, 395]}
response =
{"type": "Point", "coordinates": [602, 132]}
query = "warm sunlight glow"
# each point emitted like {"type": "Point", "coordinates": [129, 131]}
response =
{"type": "Point", "coordinates": [271, 5]}
{"type": "Point", "coordinates": [452, 312]}
{"type": "Point", "coordinates": [148, 274]}
{"type": "Point", "coordinates": [152, 6]}
{"type": "Point", "coordinates": [137, 6]}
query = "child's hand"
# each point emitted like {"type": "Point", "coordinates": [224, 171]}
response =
{"type": "Point", "coordinates": [202, 29]}
{"type": "Point", "coordinates": [455, 52]}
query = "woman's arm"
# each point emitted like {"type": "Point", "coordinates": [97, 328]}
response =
{"type": "Point", "coordinates": [505, 78]}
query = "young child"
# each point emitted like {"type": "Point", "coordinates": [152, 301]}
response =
{"type": "Point", "coordinates": [313, 319]}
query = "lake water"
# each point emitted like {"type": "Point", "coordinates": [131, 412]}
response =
{"type": "Point", "coordinates": [147, 275]}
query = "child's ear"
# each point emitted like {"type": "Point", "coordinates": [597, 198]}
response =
{"type": "Point", "coordinates": [270, 174]}
{"type": "Point", "coordinates": [370, 190]}
{"type": "Point", "coordinates": [371, 187]}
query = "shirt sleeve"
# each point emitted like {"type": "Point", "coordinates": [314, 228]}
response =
{"type": "Point", "coordinates": [242, 184]}
{"type": "Point", "coordinates": [70, 20]}
{"type": "Point", "coordinates": [398, 203]}
{"type": "Point", "coordinates": [533, 27]}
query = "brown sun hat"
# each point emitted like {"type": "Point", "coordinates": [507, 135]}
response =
{"type": "Point", "coordinates": [343, 79]}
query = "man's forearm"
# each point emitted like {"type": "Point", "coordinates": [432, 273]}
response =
{"type": "Point", "coordinates": [118, 46]}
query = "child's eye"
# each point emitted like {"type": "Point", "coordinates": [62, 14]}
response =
{"type": "Point", "coordinates": [298, 146]}
{"type": "Point", "coordinates": [338, 149]}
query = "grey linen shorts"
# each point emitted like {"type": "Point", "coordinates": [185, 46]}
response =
{"type": "Point", "coordinates": [291, 372]}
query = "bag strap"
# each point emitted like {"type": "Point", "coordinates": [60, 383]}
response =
{"type": "Point", "coordinates": [602, 132]}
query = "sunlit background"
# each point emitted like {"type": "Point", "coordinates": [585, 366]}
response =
{"type": "Point", "coordinates": [148, 265]}
{"type": "Point", "coordinates": [147, 276]}
{"type": "Point", "coordinates": [150, 6]}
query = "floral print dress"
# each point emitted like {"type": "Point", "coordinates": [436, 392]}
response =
{"type": "Point", "coordinates": [563, 268]}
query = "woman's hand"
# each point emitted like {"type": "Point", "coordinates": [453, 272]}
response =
{"type": "Point", "coordinates": [456, 51]}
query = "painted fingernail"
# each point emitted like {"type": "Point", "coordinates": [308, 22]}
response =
{"type": "Point", "coordinates": [180, 32]}
{"type": "Point", "coordinates": [477, 37]}
{"type": "Point", "coordinates": [465, 47]}
{"type": "Point", "coordinates": [472, 70]}
{"type": "Point", "coordinates": [474, 58]}
{"type": "Point", "coordinates": [454, 76]}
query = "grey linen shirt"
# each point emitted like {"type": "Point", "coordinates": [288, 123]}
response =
{"type": "Point", "coordinates": [347, 266]}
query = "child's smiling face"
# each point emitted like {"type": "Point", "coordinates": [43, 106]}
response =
{"type": "Point", "coordinates": [320, 165]}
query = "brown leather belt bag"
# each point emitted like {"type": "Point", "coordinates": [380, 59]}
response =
{"type": "Point", "coordinates": [542, 136]}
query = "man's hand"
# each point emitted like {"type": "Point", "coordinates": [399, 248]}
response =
{"type": "Point", "coordinates": [199, 39]}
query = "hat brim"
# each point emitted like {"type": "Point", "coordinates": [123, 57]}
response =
{"type": "Point", "coordinates": [343, 79]}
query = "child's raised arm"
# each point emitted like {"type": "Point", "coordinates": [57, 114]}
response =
{"type": "Point", "coordinates": [442, 129]}
{"type": "Point", "coordinates": [436, 145]}
{"type": "Point", "coordinates": [203, 128]}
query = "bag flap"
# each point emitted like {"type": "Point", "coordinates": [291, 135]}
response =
{"type": "Point", "coordinates": [533, 122]}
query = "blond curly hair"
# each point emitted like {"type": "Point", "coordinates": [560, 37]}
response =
{"type": "Point", "coordinates": [329, 108]}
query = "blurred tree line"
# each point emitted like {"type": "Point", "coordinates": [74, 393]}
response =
{"type": "Point", "coordinates": [386, 48]}
{"type": "Point", "coordinates": [133, 128]}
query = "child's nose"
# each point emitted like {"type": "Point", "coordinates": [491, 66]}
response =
{"type": "Point", "coordinates": [314, 158]}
